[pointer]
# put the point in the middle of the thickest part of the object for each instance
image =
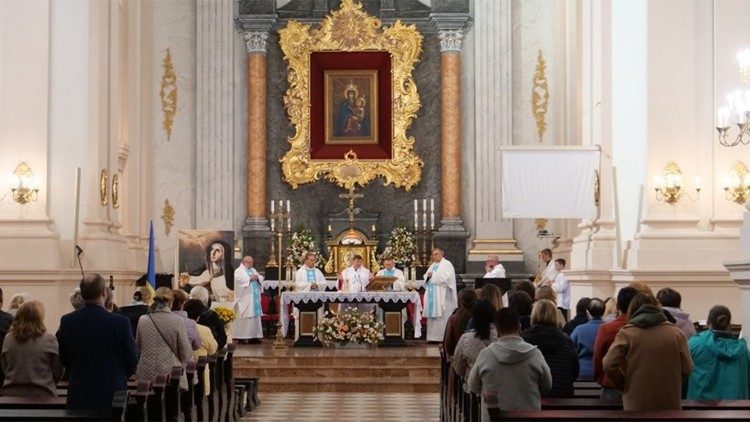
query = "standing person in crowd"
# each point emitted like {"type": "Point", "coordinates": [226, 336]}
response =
{"type": "Point", "coordinates": [247, 327]}
{"type": "Point", "coordinates": [604, 338]}
{"type": "Point", "coordinates": [389, 270]}
{"type": "Point", "coordinates": [610, 309]}
{"type": "Point", "coordinates": [556, 347]}
{"type": "Point", "coordinates": [180, 297]}
{"type": "Point", "coordinates": [194, 309]}
{"type": "Point", "coordinates": [459, 321]}
{"type": "Point", "coordinates": [546, 292]}
{"type": "Point", "coordinates": [209, 317]}
{"type": "Point", "coordinates": [494, 295]}
{"type": "Point", "coordinates": [308, 277]}
{"type": "Point", "coordinates": [440, 295]}
{"type": "Point", "coordinates": [644, 288]}
{"type": "Point", "coordinates": [526, 286]}
{"type": "Point", "coordinates": [16, 301]}
{"type": "Point", "coordinates": [6, 320]}
{"type": "Point", "coordinates": [473, 341]}
{"type": "Point", "coordinates": [722, 362]}
{"type": "Point", "coordinates": [584, 337]}
{"type": "Point", "coordinates": [648, 359]}
{"type": "Point", "coordinates": [510, 373]}
{"type": "Point", "coordinates": [670, 301]}
{"type": "Point", "coordinates": [96, 349]}
{"type": "Point", "coordinates": [582, 316]}
{"type": "Point", "coordinates": [521, 302]}
{"type": "Point", "coordinates": [30, 357]}
{"type": "Point", "coordinates": [76, 301]}
{"type": "Point", "coordinates": [162, 340]}
{"type": "Point", "coordinates": [138, 307]}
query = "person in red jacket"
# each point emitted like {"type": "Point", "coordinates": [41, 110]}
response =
{"type": "Point", "coordinates": [604, 339]}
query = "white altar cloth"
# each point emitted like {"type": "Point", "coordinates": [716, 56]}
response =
{"type": "Point", "coordinates": [274, 284]}
{"type": "Point", "coordinates": [361, 297]}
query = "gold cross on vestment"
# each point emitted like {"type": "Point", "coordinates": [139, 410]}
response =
{"type": "Point", "coordinates": [351, 196]}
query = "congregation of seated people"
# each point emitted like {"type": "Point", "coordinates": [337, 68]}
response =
{"type": "Point", "coordinates": [640, 350]}
{"type": "Point", "coordinates": [99, 347]}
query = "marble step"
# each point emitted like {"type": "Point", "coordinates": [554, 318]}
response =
{"type": "Point", "coordinates": [368, 371]}
{"type": "Point", "coordinates": [347, 361]}
{"type": "Point", "coordinates": [349, 385]}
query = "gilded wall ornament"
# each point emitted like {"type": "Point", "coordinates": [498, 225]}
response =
{"type": "Point", "coordinates": [167, 215]}
{"type": "Point", "coordinates": [116, 190]}
{"type": "Point", "coordinates": [103, 184]}
{"type": "Point", "coordinates": [351, 29]}
{"type": "Point", "coordinates": [540, 96]}
{"type": "Point", "coordinates": [168, 94]}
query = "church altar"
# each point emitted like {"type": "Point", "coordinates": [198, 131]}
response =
{"type": "Point", "coordinates": [310, 303]}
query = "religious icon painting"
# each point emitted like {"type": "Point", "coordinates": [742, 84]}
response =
{"type": "Point", "coordinates": [351, 107]}
{"type": "Point", "coordinates": [205, 259]}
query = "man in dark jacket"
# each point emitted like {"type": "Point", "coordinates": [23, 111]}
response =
{"type": "Point", "coordinates": [96, 348]}
{"type": "Point", "coordinates": [5, 320]}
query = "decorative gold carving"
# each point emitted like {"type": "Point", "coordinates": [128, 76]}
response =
{"type": "Point", "coordinates": [116, 190]}
{"type": "Point", "coordinates": [167, 215]}
{"type": "Point", "coordinates": [26, 189]}
{"type": "Point", "coordinates": [351, 29]}
{"type": "Point", "coordinates": [168, 94]}
{"type": "Point", "coordinates": [103, 182]}
{"type": "Point", "coordinates": [540, 96]}
{"type": "Point", "coordinates": [737, 184]}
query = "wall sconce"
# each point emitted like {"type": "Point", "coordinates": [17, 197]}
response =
{"type": "Point", "coordinates": [670, 187]}
{"type": "Point", "coordinates": [24, 187]}
{"type": "Point", "coordinates": [737, 109]}
{"type": "Point", "coordinates": [737, 183]}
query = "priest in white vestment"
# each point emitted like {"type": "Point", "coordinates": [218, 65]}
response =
{"type": "Point", "coordinates": [390, 270]}
{"type": "Point", "coordinates": [355, 279]}
{"type": "Point", "coordinates": [549, 273]}
{"type": "Point", "coordinates": [440, 295]}
{"type": "Point", "coordinates": [308, 278]}
{"type": "Point", "coordinates": [247, 289]}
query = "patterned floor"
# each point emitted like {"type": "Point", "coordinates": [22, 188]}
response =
{"type": "Point", "coordinates": [328, 407]}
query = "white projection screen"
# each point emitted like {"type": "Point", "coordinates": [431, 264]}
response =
{"type": "Point", "coordinates": [555, 182]}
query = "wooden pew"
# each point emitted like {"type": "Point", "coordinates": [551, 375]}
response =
{"type": "Point", "coordinates": [220, 389]}
{"type": "Point", "coordinates": [155, 402]}
{"type": "Point", "coordinates": [137, 405]}
{"type": "Point", "coordinates": [172, 394]}
{"type": "Point", "coordinates": [199, 395]}
{"type": "Point", "coordinates": [53, 408]}
{"type": "Point", "coordinates": [603, 404]}
{"type": "Point", "coordinates": [227, 376]}
{"type": "Point", "coordinates": [213, 399]}
{"type": "Point", "coordinates": [55, 415]}
{"type": "Point", "coordinates": [187, 398]}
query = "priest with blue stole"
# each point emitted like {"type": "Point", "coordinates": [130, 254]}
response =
{"type": "Point", "coordinates": [247, 327]}
{"type": "Point", "coordinates": [440, 295]}
{"type": "Point", "coordinates": [390, 270]}
{"type": "Point", "coordinates": [308, 277]}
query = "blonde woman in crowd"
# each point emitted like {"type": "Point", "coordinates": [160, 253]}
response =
{"type": "Point", "coordinates": [16, 302]}
{"type": "Point", "coordinates": [546, 292]}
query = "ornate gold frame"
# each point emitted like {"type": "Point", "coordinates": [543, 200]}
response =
{"type": "Point", "coordinates": [351, 29]}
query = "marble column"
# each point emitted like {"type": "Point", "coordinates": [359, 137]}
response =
{"type": "Point", "coordinates": [451, 235]}
{"type": "Point", "coordinates": [214, 116]}
{"type": "Point", "coordinates": [493, 122]}
{"type": "Point", "coordinates": [256, 231]}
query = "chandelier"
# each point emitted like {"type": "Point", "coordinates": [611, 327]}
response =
{"type": "Point", "coordinates": [737, 109]}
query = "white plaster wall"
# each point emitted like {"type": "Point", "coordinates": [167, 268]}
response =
{"type": "Point", "coordinates": [174, 27]}
{"type": "Point", "coordinates": [68, 114]}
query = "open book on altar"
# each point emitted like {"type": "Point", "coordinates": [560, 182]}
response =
{"type": "Point", "coordinates": [380, 283]}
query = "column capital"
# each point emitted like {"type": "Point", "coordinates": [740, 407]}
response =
{"type": "Point", "coordinates": [256, 41]}
{"type": "Point", "coordinates": [451, 41]}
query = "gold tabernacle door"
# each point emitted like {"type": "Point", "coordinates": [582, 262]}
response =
{"type": "Point", "coordinates": [346, 246]}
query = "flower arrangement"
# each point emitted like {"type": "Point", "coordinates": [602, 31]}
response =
{"type": "Point", "coordinates": [226, 315]}
{"type": "Point", "coordinates": [400, 247]}
{"type": "Point", "coordinates": [302, 243]}
{"type": "Point", "coordinates": [350, 326]}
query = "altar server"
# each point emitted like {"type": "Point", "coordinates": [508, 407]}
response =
{"type": "Point", "coordinates": [440, 295]}
{"type": "Point", "coordinates": [356, 278]}
{"type": "Point", "coordinates": [247, 289]}
{"type": "Point", "coordinates": [389, 270]}
{"type": "Point", "coordinates": [549, 273]}
{"type": "Point", "coordinates": [308, 277]}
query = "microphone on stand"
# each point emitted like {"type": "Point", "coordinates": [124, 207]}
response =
{"type": "Point", "coordinates": [79, 252]}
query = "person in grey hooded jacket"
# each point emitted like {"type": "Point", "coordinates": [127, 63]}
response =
{"type": "Point", "coordinates": [510, 374]}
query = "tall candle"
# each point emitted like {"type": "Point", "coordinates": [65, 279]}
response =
{"type": "Point", "coordinates": [273, 220]}
{"type": "Point", "coordinates": [424, 214]}
{"type": "Point", "coordinates": [432, 214]}
{"type": "Point", "coordinates": [416, 212]}
{"type": "Point", "coordinates": [288, 206]}
{"type": "Point", "coordinates": [272, 205]}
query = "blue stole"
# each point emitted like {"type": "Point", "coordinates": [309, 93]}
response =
{"type": "Point", "coordinates": [255, 291]}
{"type": "Point", "coordinates": [431, 292]}
{"type": "Point", "coordinates": [311, 276]}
